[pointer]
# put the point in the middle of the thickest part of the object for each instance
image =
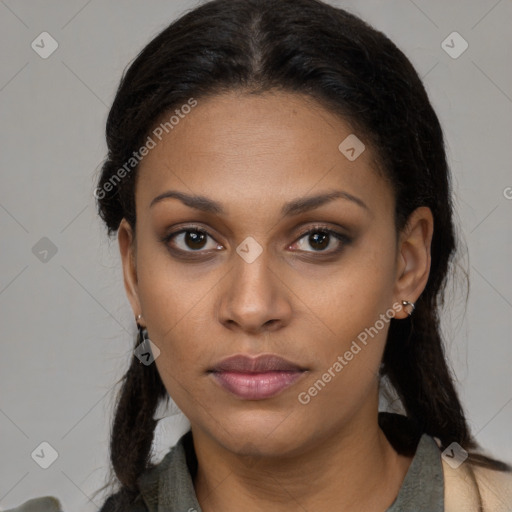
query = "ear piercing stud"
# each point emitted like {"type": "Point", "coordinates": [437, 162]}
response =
{"type": "Point", "coordinates": [406, 303]}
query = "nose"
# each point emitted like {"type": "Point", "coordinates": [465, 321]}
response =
{"type": "Point", "coordinates": [255, 298]}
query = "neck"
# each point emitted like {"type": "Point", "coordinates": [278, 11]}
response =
{"type": "Point", "coordinates": [353, 469]}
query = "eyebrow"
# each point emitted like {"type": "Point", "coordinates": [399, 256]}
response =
{"type": "Point", "coordinates": [295, 207]}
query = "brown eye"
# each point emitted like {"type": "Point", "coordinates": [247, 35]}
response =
{"type": "Point", "coordinates": [195, 240]}
{"type": "Point", "coordinates": [190, 240]}
{"type": "Point", "coordinates": [320, 239]}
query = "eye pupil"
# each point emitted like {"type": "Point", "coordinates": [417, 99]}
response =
{"type": "Point", "coordinates": [195, 239]}
{"type": "Point", "coordinates": [319, 239]}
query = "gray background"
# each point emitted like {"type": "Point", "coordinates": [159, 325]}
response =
{"type": "Point", "coordinates": [66, 325]}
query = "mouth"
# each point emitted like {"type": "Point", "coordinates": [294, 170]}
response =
{"type": "Point", "coordinates": [256, 378]}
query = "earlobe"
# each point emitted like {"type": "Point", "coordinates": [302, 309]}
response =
{"type": "Point", "coordinates": [413, 266]}
{"type": "Point", "coordinates": [126, 243]}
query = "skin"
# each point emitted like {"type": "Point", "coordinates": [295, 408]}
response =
{"type": "Point", "coordinates": [252, 154]}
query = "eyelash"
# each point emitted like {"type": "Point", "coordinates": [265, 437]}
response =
{"type": "Point", "coordinates": [343, 239]}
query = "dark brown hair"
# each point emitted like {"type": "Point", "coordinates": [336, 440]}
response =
{"type": "Point", "coordinates": [326, 53]}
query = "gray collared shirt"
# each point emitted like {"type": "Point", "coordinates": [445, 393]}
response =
{"type": "Point", "coordinates": [169, 486]}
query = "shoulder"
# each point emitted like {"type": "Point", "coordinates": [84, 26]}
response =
{"type": "Point", "coordinates": [495, 489]}
{"type": "Point", "coordinates": [149, 483]}
{"type": "Point", "coordinates": [114, 503]}
{"type": "Point", "coordinates": [42, 504]}
{"type": "Point", "coordinates": [469, 486]}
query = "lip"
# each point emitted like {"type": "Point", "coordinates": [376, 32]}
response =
{"type": "Point", "coordinates": [263, 363]}
{"type": "Point", "coordinates": [256, 378]}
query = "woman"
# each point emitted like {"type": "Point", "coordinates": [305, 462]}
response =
{"type": "Point", "coordinates": [277, 180]}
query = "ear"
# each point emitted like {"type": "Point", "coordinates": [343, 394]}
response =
{"type": "Point", "coordinates": [126, 240]}
{"type": "Point", "coordinates": [413, 264]}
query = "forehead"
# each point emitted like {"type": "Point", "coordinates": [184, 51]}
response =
{"type": "Point", "coordinates": [239, 148]}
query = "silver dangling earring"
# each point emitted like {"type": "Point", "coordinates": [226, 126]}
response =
{"type": "Point", "coordinates": [406, 303]}
{"type": "Point", "coordinates": [146, 350]}
{"type": "Point", "coordinates": [141, 329]}
{"type": "Point", "coordinates": [143, 333]}
{"type": "Point", "coordinates": [143, 336]}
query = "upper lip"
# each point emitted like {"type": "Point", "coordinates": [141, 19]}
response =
{"type": "Point", "coordinates": [261, 363]}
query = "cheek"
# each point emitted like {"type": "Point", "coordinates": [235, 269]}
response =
{"type": "Point", "coordinates": [173, 303]}
{"type": "Point", "coordinates": [169, 290]}
{"type": "Point", "coordinates": [356, 291]}
{"type": "Point", "coordinates": [183, 344]}
{"type": "Point", "coordinates": [348, 361]}
{"type": "Point", "coordinates": [352, 306]}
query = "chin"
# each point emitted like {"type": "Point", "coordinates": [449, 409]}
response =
{"type": "Point", "coordinates": [261, 433]}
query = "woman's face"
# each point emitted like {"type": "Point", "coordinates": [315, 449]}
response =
{"type": "Point", "coordinates": [255, 283]}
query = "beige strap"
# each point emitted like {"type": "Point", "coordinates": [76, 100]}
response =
{"type": "Point", "coordinates": [460, 492]}
{"type": "Point", "coordinates": [475, 489]}
{"type": "Point", "coordinates": [495, 488]}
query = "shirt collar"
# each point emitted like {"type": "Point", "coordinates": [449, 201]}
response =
{"type": "Point", "coordinates": [168, 486]}
{"type": "Point", "coordinates": [423, 487]}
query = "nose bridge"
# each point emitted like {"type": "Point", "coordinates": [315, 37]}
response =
{"type": "Point", "coordinates": [252, 278]}
{"type": "Point", "coordinates": [253, 296]}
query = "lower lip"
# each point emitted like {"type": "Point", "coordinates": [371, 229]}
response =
{"type": "Point", "coordinates": [256, 386]}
